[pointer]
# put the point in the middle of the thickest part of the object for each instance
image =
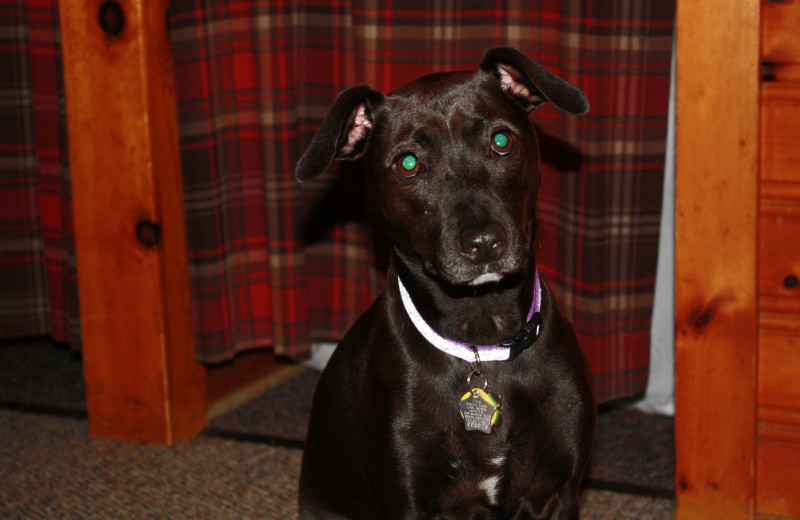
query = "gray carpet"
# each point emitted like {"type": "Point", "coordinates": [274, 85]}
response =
{"type": "Point", "coordinates": [50, 468]}
{"type": "Point", "coordinates": [39, 374]}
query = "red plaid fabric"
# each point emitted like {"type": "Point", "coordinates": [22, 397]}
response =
{"type": "Point", "coordinates": [274, 263]}
{"type": "Point", "coordinates": [38, 281]}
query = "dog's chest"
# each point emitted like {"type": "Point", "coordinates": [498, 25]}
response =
{"type": "Point", "coordinates": [487, 477]}
{"type": "Point", "coordinates": [466, 465]}
{"type": "Point", "coordinates": [454, 466]}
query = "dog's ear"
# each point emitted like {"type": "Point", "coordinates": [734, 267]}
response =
{"type": "Point", "coordinates": [531, 84]}
{"type": "Point", "coordinates": [344, 133]}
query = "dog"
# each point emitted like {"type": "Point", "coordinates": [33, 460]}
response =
{"type": "Point", "coordinates": [462, 392]}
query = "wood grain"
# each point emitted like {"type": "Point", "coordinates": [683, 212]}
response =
{"type": "Point", "coordinates": [780, 113]}
{"type": "Point", "coordinates": [778, 446]}
{"type": "Point", "coordinates": [715, 226]}
{"type": "Point", "coordinates": [143, 383]}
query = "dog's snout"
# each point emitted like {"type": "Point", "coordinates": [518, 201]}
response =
{"type": "Point", "coordinates": [483, 244]}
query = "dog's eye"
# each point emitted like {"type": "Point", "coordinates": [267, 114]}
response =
{"type": "Point", "coordinates": [407, 165]}
{"type": "Point", "coordinates": [502, 142]}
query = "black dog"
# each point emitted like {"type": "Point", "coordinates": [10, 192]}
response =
{"type": "Point", "coordinates": [462, 392]}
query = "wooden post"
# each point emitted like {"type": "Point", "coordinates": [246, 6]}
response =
{"type": "Point", "coordinates": [142, 380]}
{"type": "Point", "coordinates": [715, 256]}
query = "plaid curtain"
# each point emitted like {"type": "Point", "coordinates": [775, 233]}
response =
{"type": "Point", "coordinates": [274, 263]}
{"type": "Point", "coordinates": [38, 281]}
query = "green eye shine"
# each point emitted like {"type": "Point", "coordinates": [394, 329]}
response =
{"type": "Point", "coordinates": [407, 165]}
{"type": "Point", "coordinates": [502, 142]}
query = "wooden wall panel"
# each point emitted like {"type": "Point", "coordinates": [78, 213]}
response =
{"type": "Point", "coordinates": [778, 382]}
{"type": "Point", "coordinates": [780, 157]}
{"type": "Point", "coordinates": [779, 272]}
{"type": "Point", "coordinates": [780, 46]}
{"type": "Point", "coordinates": [778, 446]}
{"type": "Point", "coordinates": [715, 226]}
{"type": "Point", "coordinates": [777, 489]}
{"type": "Point", "coordinates": [143, 383]}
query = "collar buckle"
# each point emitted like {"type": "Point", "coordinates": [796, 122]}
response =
{"type": "Point", "coordinates": [523, 339]}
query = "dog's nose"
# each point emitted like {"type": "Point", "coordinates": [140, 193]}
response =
{"type": "Point", "coordinates": [483, 244]}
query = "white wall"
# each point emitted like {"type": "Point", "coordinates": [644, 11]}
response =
{"type": "Point", "coordinates": [660, 394]}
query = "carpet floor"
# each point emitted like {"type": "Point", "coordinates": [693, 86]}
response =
{"type": "Point", "coordinates": [50, 468]}
{"type": "Point", "coordinates": [246, 464]}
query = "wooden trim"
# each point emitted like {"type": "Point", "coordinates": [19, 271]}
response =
{"type": "Point", "coordinates": [716, 227]}
{"type": "Point", "coordinates": [233, 385]}
{"type": "Point", "coordinates": [143, 383]}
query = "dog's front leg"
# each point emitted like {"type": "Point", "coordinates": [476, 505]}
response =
{"type": "Point", "coordinates": [568, 507]}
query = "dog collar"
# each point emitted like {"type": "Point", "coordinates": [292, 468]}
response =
{"type": "Point", "coordinates": [506, 350]}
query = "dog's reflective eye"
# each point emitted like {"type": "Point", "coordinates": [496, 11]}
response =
{"type": "Point", "coordinates": [407, 165]}
{"type": "Point", "coordinates": [502, 142]}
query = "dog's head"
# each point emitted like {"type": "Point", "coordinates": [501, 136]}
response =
{"type": "Point", "coordinates": [451, 162]}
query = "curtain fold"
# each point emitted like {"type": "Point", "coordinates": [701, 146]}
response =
{"type": "Point", "coordinates": [278, 264]}
{"type": "Point", "coordinates": [39, 295]}
{"type": "Point", "coordinates": [272, 264]}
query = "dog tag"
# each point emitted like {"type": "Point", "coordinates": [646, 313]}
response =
{"type": "Point", "coordinates": [480, 410]}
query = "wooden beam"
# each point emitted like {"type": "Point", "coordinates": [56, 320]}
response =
{"type": "Point", "coordinates": [142, 380]}
{"type": "Point", "coordinates": [716, 223]}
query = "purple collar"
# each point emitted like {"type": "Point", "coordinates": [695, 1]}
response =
{"type": "Point", "coordinates": [506, 350]}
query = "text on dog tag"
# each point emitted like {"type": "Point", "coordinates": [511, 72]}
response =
{"type": "Point", "coordinates": [480, 410]}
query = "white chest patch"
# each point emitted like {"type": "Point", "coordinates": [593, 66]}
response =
{"type": "Point", "coordinates": [499, 460]}
{"type": "Point", "coordinates": [489, 485]}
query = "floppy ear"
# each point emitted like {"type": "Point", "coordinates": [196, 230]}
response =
{"type": "Point", "coordinates": [344, 133]}
{"type": "Point", "coordinates": [531, 84]}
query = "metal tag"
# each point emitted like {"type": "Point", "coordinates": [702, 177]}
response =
{"type": "Point", "coordinates": [480, 410]}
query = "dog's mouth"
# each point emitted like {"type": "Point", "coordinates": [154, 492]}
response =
{"type": "Point", "coordinates": [486, 278]}
{"type": "Point", "coordinates": [490, 282]}
{"type": "Point", "coordinates": [468, 277]}
{"type": "Point", "coordinates": [456, 271]}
